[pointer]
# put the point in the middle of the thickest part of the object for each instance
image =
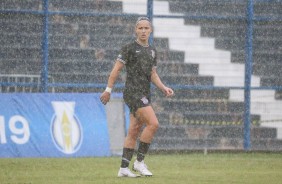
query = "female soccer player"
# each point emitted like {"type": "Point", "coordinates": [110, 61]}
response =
{"type": "Point", "coordinates": [140, 60]}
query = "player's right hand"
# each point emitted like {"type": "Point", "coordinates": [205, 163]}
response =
{"type": "Point", "coordinates": [105, 97]}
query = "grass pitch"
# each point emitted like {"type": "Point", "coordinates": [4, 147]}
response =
{"type": "Point", "coordinates": [216, 168]}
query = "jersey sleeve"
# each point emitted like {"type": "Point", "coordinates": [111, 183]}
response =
{"type": "Point", "coordinates": [123, 55]}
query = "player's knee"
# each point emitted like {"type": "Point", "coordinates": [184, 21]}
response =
{"type": "Point", "coordinates": [154, 126]}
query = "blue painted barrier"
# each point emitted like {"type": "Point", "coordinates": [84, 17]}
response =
{"type": "Point", "coordinates": [53, 125]}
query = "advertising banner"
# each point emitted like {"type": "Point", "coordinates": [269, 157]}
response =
{"type": "Point", "coordinates": [53, 125]}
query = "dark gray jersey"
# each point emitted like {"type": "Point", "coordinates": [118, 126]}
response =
{"type": "Point", "coordinates": [139, 62]}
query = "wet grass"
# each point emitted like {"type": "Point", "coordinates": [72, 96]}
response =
{"type": "Point", "coordinates": [245, 168]}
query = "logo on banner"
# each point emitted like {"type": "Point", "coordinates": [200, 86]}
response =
{"type": "Point", "coordinates": [66, 129]}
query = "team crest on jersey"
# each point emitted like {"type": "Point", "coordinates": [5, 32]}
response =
{"type": "Point", "coordinates": [145, 100]}
{"type": "Point", "coordinates": [153, 53]}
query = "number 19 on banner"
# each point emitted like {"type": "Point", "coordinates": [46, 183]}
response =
{"type": "Point", "coordinates": [19, 128]}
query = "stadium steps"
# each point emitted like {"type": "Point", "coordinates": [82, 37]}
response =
{"type": "Point", "coordinates": [187, 79]}
{"type": "Point", "coordinates": [258, 57]}
{"type": "Point", "coordinates": [264, 8]}
{"type": "Point", "coordinates": [204, 106]}
{"type": "Point", "coordinates": [82, 28]}
{"type": "Point", "coordinates": [23, 19]}
{"type": "Point", "coordinates": [20, 53]}
{"type": "Point", "coordinates": [278, 95]}
{"type": "Point", "coordinates": [21, 5]}
{"type": "Point", "coordinates": [28, 39]}
{"type": "Point", "coordinates": [263, 39]}
{"type": "Point", "coordinates": [203, 118]}
{"type": "Point", "coordinates": [263, 70]}
{"type": "Point", "coordinates": [86, 66]}
{"type": "Point", "coordinates": [218, 8]}
{"type": "Point", "coordinates": [193, 137]}
{"type": "Point", "coordinates": [86, 6]}
{"type": "Point", "coordinates": [175, 68]}
{"type": "Point", "coordinates": [266, 145]}
{"type": "Point", "coordinates": [74, 53]}
{"type": "Point", "coordinates": [229, 132]}
{"type": "Point", "coordinates": [224, 7]}
{"type": "Point", "coordinates": [94, 20]}
{"type": "Point", "coordinates": [103, 78]}
{"type": "Point", "coordinates": [229, 35]}
{"type": "Point", "coordinates": [222, 29]}
{"type": "Point", "coordinates": [264, 109]}
{"type": "Point", "coordinates": [16, 40]}
{"type": "Point", "coordinates": [202, 53]}
{"type": "Point", "coordinates": [18, 28]}
{"type": "Point", "coordinates": [80, 78]}
{"type": "Point", "coordinates": [182, 144]}
{"type": "Point", "coordinates": [97, 41]}
{"type": "Point", "coordinates": [271, 81]}
{"type": "Point", "coordinates": [195, 94]}
{"type": "Point", "coordinates": [21, 66]}
{"type": "Point", "coordinates": [171, 131]}
{"type": "Point", "coordinates": [239, 44]}
{"type": "Point", "coordinates": [235, 28]}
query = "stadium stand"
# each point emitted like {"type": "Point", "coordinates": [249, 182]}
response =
{"type": "Point", "coordinates": [20, 50]}
{"type": "Point", "coordinates": [229, 34]}
{"type": "Point", "coordinates": [82, 49]}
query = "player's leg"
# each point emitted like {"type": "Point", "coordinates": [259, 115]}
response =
{"type": "Point", "coordinates": [148, 116]}
{"type": "Point", "coordinates": [133, 132]}
{"type": "Point", "coordinates": [129, 145]}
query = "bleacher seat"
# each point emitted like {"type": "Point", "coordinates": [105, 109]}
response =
{"type": "Point", "coordinates": [197, 137]}
{"type": "Point", "coordinates": [217, 8]}
{"type": "Point", "coordinates": [86, 6]}
{"type": "Point", "coordinates": [21, 5]}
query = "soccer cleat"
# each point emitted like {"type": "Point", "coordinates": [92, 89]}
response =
{"type": "Point", "coordinates": [125, 172]}
{"type": "Point", "coordinates": [142, 168]}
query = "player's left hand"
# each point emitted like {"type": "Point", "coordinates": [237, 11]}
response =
{"type": "Point", "coordinates": [168, 92]}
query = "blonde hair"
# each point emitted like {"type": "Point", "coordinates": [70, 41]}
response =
{"type": "Point", "coordinates": [143, 18]}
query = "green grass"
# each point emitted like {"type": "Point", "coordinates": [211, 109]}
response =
{"type": "Point", "coordinates": [217, 168]}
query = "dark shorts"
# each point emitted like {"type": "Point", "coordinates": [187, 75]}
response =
{"type": "Point", "coordinates": [136, 103]}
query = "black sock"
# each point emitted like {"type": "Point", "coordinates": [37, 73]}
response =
{"type": "Point", "coordinates": [126, 157]}
{"type": "Point", "coordinates": [142, 150]}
